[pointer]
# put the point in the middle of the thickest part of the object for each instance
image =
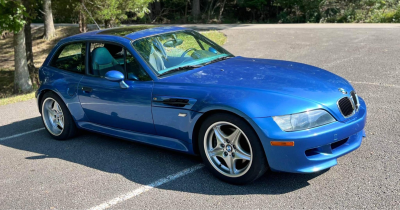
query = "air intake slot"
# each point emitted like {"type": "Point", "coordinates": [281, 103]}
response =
{"type": "Point", "coordinates": [326, 149]}
{"type": "Point", "coordinates": [339, 143]}
{"type": "Point", "coordinates": [174, 102]}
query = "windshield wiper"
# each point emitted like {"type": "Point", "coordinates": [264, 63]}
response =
{"type": "Point", "coordinates": [181, 68]}
{"type": "Point", "coordinates": [217, 59]}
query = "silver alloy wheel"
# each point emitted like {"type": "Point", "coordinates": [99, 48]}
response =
{"type": "Point", "coordinates": [53, 116]}
{"type": "Point", "coordinates": [228, 149]}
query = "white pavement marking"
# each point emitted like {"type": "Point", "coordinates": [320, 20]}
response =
{"type": "Point", "coordinates": [20, 134]}
{"type": "Point", "coordinates": [146, 188]}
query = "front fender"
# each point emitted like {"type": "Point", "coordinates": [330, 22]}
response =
{"type": "Point", "coordinates": [253, 103]}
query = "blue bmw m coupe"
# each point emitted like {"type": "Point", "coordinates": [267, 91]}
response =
{"type": "Point", "coordinates": [172, 87]}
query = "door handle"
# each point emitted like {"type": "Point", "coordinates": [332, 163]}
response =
{"type": "Point", "coordinates": [87, 89]}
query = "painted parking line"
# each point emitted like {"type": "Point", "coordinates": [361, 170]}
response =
{"type": "Point", "coordinates": [21, 134]}
{"type": "Point", "coordinates": [146, 188]}
{"type": "Point", "coordinates": [135, 192]}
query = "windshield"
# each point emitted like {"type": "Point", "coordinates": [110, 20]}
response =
{"type": "Point", "coordinates": [169, 51]}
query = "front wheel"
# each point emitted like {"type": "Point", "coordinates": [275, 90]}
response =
{"type": "Point", "coordinates": [231, 149]}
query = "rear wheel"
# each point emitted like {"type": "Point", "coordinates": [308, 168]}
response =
{"type": "Point", "coordinates": [57, 118]}
{"type": "Point", "coordinates": [231, 149]}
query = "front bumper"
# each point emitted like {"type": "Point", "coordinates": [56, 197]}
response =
{"type": "Point", "coordinates": [314, 149]}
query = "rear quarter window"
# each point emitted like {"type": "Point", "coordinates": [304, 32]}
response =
{"type": "Point", "coordinates": [70, 57]}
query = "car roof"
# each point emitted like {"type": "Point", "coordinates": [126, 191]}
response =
{"type": "Point", "coordinates": [127, 33]}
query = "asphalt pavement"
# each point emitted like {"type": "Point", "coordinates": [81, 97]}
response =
{"type": "Point", "coordinates": [92, 170]}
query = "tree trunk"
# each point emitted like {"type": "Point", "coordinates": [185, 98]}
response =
{"type": "Point", "coordinates": [196, 9]}
{"type": "Point", "coordinates": [186, 9]}
{"type": "Point", "coordinates": [22, 82]}
{"type": "Point", "coordinates": [82, 22]}
{"type": "Point", "coordinates": [157, 5]}
{"type": "Point", "coordinates": [28, 45]}
{"type": "Point", "coordinates": [49, 31]}
{"type": "Point", "coordinates": [82, 18]}
{"type": "Point", "coordinates": [107, 24]}
{"type": "Point", "coordinates": [221, 10]}
{"type": "Point", "coordinates": [29, 54]}
{"type": "Point", "coordinates": [209, 10]}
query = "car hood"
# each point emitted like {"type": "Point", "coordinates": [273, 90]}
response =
{"type": "Point", "coordinates": [282, 77]}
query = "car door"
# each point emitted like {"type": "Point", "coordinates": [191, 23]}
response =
{"type": "Point", "coordinates": [105, 102]}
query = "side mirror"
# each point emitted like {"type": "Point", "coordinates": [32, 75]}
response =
{"type": "Point", "coordinates": [116, 76]}
{"type": "Point", "coordinates": [211, 49]}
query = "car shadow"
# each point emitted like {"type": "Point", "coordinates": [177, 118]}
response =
{"type": "Point", "coordinates": [143, 164]}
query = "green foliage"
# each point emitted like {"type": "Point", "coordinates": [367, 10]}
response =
{"type": "Point", "coordinates": [113, 11]}
{"type": "Point", "coordinates": [299, 11]}
{"type": "Point", "coordinates": [254, 4]}
{"type": "Point", "coordinates": [12, 14]}
{"type": "Point", "coordinates": [363, 11]}
{"type": "Point", "coordinates": [65, 11]}
{"type": "Point", "coordinates": [383, 12]}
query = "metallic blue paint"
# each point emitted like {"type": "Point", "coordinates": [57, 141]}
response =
{"type": "Point", "coordinates": [110, 105]}
{"type": "Point", "coordinates": [155, 140]}
{"type": "Point", "coordinates": [294, 159]}
{"type": "Point", "coordinates": [255, 89]}
{"type": "Point", "coordinates": [114, 76]}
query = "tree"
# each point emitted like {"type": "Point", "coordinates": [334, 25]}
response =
{"type": "Point", "coordinates": [72, 11]}
{"type": "Point", "coordinates": [254, 5]}
{"type": "Point", "coordinates": [22, 81]}
{"type": "Point", "coordinates": [49, 31]}
{"type": "Point", "coordinates": [111, 12]}
{"type": "Point", "coordinates": [16, 10]}
{"type": "Point", "coordinates": [221, 10]}
{"type": "Point", "coordinates": [196, 9]}
{"type": "Point", "coordinates": [31, 6]}
{"type": "Point", "coordinates": [82, 17]}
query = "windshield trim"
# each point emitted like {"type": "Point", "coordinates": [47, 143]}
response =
{"type": "Point", "coordinates": [157, 74]}
{"type": "Point", "coordinates": [155, 34]}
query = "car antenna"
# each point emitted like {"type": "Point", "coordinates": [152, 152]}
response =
{"type": "Point", "coordinates": [91, 16]}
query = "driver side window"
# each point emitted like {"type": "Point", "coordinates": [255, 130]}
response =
{"type": "Point", "coordinates": [105, 57]}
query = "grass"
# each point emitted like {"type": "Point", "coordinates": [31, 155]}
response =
{"type": "Point", "coordinates": [41, 48]}
{"type": "Point", "coordinates": [17, 98]}
{"type": "Point", "coordinates": [215, 36]}
{"type": "Point", "coordinates": [7, 87]}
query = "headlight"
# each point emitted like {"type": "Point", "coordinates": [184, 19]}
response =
{"type": "Point", "coordinates": [304, 120]}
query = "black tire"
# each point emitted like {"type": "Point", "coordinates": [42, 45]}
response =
{"type": "Point", "coordinates": [258, 165]}
{"type": "Point", "coordinates": [70, 130]}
